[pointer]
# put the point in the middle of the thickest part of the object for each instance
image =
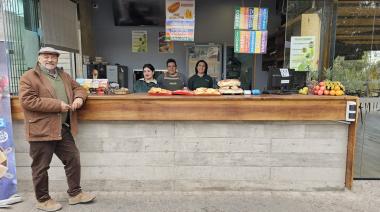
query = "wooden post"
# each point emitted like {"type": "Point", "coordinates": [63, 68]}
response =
{"type": "Point", "coordinates": [351, 149]}
{"type": "Point", "coordinates": [254, 71]}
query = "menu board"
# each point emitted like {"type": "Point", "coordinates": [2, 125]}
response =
{"type": "Point", "coordinates": [251, 18]}
{"type": "Point", "coordinates": [251, 41]}
{"type": "Point", "coordinates": [302, 54]}
{"type": "Point", "coordinates": [180, 20]}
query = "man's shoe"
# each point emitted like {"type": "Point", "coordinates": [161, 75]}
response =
{"type": "Point", "coordinates": [49, 205]}
{"type": "Point", "coordinates": [82, 197]}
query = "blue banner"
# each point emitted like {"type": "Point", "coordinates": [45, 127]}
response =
{"type": "Point", "coordinates": [8, 180]}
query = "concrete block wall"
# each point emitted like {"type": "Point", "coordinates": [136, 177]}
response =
{"type": "Point", "coordinates": [199, 155]}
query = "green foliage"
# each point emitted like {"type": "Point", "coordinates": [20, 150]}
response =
{"type": "Point", "coordinates": [358, 76]}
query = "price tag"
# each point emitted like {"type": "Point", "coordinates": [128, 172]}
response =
{"type": "Point", "coordinates": [285, 81]}
{"type": "Point", "coordinates": [284, 72]}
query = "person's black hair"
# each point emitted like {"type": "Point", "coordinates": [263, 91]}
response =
{"type": "Point", "coordinates": [150, 66]}
{"type": "Point", "coordinates": [201, 61]}
{"type": "Point", "coordinates": [171, 60]}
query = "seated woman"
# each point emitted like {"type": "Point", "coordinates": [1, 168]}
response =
{"type": "Point", "coordinates": [200, 78]}
{"type": "Point", "coordinates": [144, 84]}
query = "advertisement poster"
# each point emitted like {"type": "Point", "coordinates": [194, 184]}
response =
{"type": "Point", "coordinates": [139, 41]}
{"type": "Point", "coordinates": [251, 18]}
{"type": "Point", "coordinates": [253, 42]}
{"type": "Point", "coordinates": [163, 45]}
{"type": "Point", "coordinates": [302, 49]}
{"type": "Point", "coordinates": [8, 180]}
{"type": "Point", "coordinates": [180, 20]}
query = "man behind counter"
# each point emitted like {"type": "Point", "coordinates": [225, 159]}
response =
{"type": "Point", "coordinates": [171, 80]}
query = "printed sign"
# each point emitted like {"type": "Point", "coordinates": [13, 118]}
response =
{"type": "Point", "coordinates": [251, 18]}
{"type": "Point", "coordinates": [180, 20]}
{"type": "Point", "coordinates": [139, 41]}
{"type": "Point", "coordinates": [251, 41]}
{"type": "Point", "coordinates": [8, 180]}
{"type": "Point", "coordinates": [302, 55]}
{"type": "Point", "coordinates": [163, 45]}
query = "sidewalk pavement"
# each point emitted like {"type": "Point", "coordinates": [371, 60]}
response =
{"type": "Point", "coordinates": [365, 197]}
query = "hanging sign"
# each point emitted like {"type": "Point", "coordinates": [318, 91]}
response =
{"type": "Point", "coordinates": [8, 180]}
{"type": "Point", "coordinates": [251, 33]}
{"type": "Point", "coordinates": [251, 18]}
{"type": "Point", "coordinates": [180, 20]}
{"type": "Point", "coordinates": [254, 42]}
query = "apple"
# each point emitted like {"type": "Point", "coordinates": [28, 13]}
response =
{"type": "Point", "coordinates": [322, 88]}
{"type": "Point", "coordinates": [320, 92]}
{"type": "Point", "coordinates": [322, 83]}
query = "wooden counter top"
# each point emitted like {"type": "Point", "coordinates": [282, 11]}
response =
{"type": "Point", "coordinates": [263, 107]}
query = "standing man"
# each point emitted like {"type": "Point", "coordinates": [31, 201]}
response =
{"type": "Point", "coordinates": [49, 98]}
{"type": "Point", "coordinates": [172, 80]}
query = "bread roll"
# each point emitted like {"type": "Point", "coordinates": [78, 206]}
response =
{"type": "Point", "coordinates": [229, 83]}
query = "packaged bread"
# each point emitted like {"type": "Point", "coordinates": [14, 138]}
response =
{"type": "Point", "coordinates": [229, 83]}
{"type": "Point", "coordinates": [230, 91]}
{"type": "Point", "coordinates": [155, 90]}
{"type": "Point", "coordinates": [206, 91]}
{"type": "Point", "coordinates": [121, 91]}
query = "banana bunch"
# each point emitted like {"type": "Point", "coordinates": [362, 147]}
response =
{"type": "Point", "coordinates": [334, 85]}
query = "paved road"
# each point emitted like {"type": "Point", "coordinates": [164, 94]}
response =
{"type": "Point", "coordinates": [365, 197]}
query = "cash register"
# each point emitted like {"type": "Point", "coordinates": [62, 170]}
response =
{"type": "Point", "coordinates": [285, 81]}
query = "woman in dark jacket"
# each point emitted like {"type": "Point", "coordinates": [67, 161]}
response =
{"type": "Point", "coordinates": [144, 84]}
{"type": "Point", "coordinates": [200, 78]}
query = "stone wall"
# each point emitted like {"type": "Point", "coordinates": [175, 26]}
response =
{"type": "Point", "coordinates": [196, 156]}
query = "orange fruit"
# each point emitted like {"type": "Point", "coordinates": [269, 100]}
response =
{"type": "Point", "coordinates": [332, 92]}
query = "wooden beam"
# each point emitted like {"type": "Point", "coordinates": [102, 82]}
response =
{"type": "Point", "coordinates": [358, 11]}
{"type": "Point", "coordinates": [358, 37]}
{"type": "Point", "coordinates": [355, 30]}
{"type": "Point", "coordinates": [362, 42]}
{"type": "Point", "coordinates": [357, 22]}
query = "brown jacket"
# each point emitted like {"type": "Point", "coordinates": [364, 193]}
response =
{"type": "Point", "coordinates": [42, 109]}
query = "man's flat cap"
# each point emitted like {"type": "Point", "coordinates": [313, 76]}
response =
{"type": "Point", "coordinates": [48, 50]}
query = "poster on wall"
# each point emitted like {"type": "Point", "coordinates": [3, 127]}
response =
{"type": "Point", "coordinates": [251, 18]}
{"type": "Point", "coordinates": [163, 45]}
{"type": "Point", "coordinates": [302, 53]}
{"type": "Point", "coordinates": [180, 20]}
{"type": "Point", "coordinates": [139, 41]}
{"type": "Point", "coordinates": [8, 180]}
{"type": "Point", "coordinates": [253, 42]}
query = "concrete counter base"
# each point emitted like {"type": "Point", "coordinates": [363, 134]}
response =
{"type": "Point", "coordinates": [201, 155]}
